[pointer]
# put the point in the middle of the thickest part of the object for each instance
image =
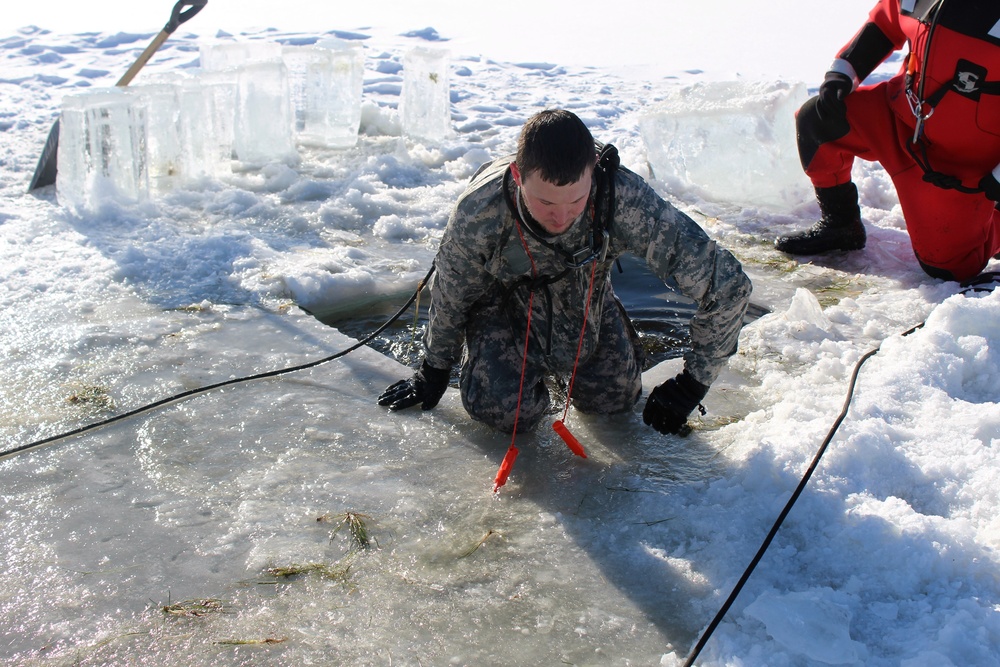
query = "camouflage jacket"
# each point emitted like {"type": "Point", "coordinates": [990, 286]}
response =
{"type": "Point", "coordinates": [486, 255]}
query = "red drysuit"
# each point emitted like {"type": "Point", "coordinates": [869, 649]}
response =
{"type": "Point", "coordinates": [954, 61]}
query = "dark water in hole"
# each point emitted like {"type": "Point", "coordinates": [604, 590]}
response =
{"type": "Point", "coordinates": [659, 314]}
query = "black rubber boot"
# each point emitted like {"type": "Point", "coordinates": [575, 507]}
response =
{"type": "Point", "coordinates": [839, 228]}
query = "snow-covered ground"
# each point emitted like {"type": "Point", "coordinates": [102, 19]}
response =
{"type": "Point", "coordinates": [887, 558]}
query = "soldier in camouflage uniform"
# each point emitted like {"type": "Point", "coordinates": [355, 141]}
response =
{"type": "Point", "coordinates": [520, 256]}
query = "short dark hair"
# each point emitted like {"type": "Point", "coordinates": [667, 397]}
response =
{"type": "Point", "coordinates": [557, 145]}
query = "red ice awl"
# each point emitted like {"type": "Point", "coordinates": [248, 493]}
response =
{"type": "Point", "coordinates": [512, 452]}
{"type": "Point", "coordinates": [570, 440]}
{"type": "Point", "coordinates": [505, 467]}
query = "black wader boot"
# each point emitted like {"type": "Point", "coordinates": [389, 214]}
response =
{"type": "Point", "coordinates": [839, 227]}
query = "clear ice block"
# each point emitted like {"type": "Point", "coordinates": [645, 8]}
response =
{"type": "Point", "coordinates": [730, 141]}
{"type": "Point", "coordinates": [326, 82]}
{"type": "Point", "coordinates": [425, 105]}
{"type": "Point", "coordinates": [227, 54]}
{"type": "Point", "coordinates": [207, 120]}
{"type": "Point", "coordinates": [102, 149]}
{"type": "Point", "coordinates": [164, 150]}
{"type": "Point", "coordinates": [264, 123]}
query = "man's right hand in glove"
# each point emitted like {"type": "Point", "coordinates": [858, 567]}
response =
{"type": "Point", "coordinates": [832, 92]}
{"type": "Point", "coordinates": [426, 387]}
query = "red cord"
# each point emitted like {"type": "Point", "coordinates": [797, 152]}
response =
{"type": "Point", "coordinates": [559, 426]}
{"type": "Point", "coordinates": [579, 345]}
{"type": "Point", "coordinates": [512, 451]}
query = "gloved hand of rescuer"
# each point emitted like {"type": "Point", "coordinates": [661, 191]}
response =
{"type": "Point", "coordinates": [669, 405]}
{"type": "Point", "coordinates": [426, 387]}
{"type": "Point", "coordinates": [832, 91]}
{"type": "Point", "coordinates": [990, 185]}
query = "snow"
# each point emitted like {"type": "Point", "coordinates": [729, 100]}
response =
{"type": "Point", "coordinates": [888, 557]}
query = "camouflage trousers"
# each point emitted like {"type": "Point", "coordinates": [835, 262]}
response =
{"type": "Point", "coordinates": [608, 382]}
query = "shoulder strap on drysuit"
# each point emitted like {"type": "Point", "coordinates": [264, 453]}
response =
{"type": "Point", "coordinates": [608, 162]}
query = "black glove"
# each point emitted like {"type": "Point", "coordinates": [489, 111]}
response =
{"type": "Point", "coordinates": [426, 387]}
{"type": "Point", "coordinates": [669, 405]}
{"type": "Point", "coordinates": [833, 90]}
{"type": "Point", "coordinates": [990, 187]}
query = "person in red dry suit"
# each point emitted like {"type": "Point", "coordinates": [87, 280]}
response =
{"type": "Point", "coordinates": [934, 127]}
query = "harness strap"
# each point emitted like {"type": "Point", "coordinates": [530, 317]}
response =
{"type": "Point", "coordinates": [608, 162]}
{"type": "Point", "coordinates": [533, 283]}
{"type": "Point", "coordinates": [937, 178]}
{"type": "Point", "coordinates": [968, 82]}
{"type": "Point", "coordinates": [579, 344]}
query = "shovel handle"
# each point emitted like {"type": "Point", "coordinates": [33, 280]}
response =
{"type": "Point", "coordinates": [180, 14]}
{"type": "Point", "coordinates": [177, 17]}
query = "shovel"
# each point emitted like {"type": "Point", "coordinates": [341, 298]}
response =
{"type": "Point", "coordinates": [45, 172]}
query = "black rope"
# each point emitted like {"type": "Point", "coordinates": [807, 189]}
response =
{"type": "Point", "coordinates": [192, 392]}
{"type": "Point", "coordinates": [788, 507]}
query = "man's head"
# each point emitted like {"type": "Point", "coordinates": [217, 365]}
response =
{"type": "Point", "coordinates": [557, 145]}
{"type": "Point", "coordinates": [554, 167]}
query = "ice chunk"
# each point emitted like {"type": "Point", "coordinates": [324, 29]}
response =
{"type": "Point", "coordinates": [810, 624]}
{"type": "Point", "coordinates": [263, 131]}
{"type": "Point", "coordinates": [805, 307]}
{"type": "Point", "coordinates": [164, 150]}
{"type": "Point", "coordinates": [207, 119]}
{"type": "Point", "coordinates": [326, 82]}
{"type": "Point", "coordinates": [263, 124]}
{"type": "Point", "coordinates": [190, 124]}
{"type": "Point", "coordinates": [229, 54]}
{"type": "Point", "coordinates": [731, 141]}
{"type": "Point", "coordinates": [102, 149]}
{"type": "Point", "coordinates": [191, 116]}
{"type": "Point", "coordinates": [425, 107]}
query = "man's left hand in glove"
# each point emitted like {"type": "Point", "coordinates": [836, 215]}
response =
{"type": "Point", "coordinates": [669, 405]}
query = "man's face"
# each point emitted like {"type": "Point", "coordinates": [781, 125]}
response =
{"type": "Point", "coordinates": [554, 207]}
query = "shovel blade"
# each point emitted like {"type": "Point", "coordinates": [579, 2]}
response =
{"type": "Point", "coordinates": [45, 172]}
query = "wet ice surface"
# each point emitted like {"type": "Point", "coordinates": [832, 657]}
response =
{"type": "Point", "coordinates": [199, 499]}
